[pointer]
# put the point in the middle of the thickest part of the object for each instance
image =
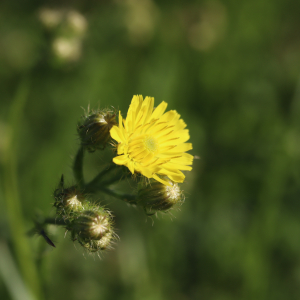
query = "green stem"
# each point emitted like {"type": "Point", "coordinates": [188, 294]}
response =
{"type": "Point", "coordinates": [78, 167]}
{"type": "Point", "coordinates": [11, 195]}
{"type": "Point", "coordinates": [96, 181]}
{"type": "Point", "coordinates": [96, 184]}
{"type": "Point", "coordinates": [131, 199]}
{"type": "Point", "coordinates": [117, 177]}
{"type": "Point", "coordinates": [56, 221]}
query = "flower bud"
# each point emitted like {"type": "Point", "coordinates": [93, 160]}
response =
{"type": "Point", "coordinates": [92, 225]}
{"type": "Point", "coordinates": [96, 245]}
{"type": "Point", "coordinates": [68, 200]}
{"type": "Point", "coordinates": [94, 129]}
{"type": "Point", "coordinates": [159, 197]}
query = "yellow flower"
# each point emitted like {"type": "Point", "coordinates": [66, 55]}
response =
{"type": "Point", "coordinates": [152, 142]}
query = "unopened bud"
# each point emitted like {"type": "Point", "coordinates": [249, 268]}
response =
{"type": "Point", "coordinates": [94, 129]}
{"type": "Point", "coordinates": [97, 245]}
{"type": "Point", "coordinates": [92, 225]}
{"type": "Point", "coordinates": [68, 200]}
{"type": "Point", "coordinates": [159, 197]}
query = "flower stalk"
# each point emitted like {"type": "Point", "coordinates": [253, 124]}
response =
{"type": "Point", "coordinates": [78, 166]}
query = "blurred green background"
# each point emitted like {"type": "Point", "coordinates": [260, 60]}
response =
{"type": "Point", "coordinates": [231, 69]}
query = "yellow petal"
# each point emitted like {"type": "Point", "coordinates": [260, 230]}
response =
{"type": "Point", "coordinates": [130, 166]}
{"type": "Point", "coordinates": [169, 116]}
{"type": "Point", "coordinates": [116, 134]}
{"type": "Point", "coordinates": [177, 178]}
{"type": "Point", "coordinates": [179, 125]}
{"type": "Point", "coordinates": [183, 136]}
{"type": "Point", "coordinates": [185, 159]}
{"type": "Point", "coordinates": [159, 110]}
{"type": "Point", "coordinates": [134, 107]}
{"type": "Point", "coordinates": [174, 166]}
{"type": "Point", "coordinates": [120, 148]}
{"type": "Point", "coordinates": [147, 172]}
{"type": "Point", "coordinates": [182, 148]}
{"type": "Point", "coordinates": [121, 159]}
{"type": "Point", "coordinates": [165, 182]}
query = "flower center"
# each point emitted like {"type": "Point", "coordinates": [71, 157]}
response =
{"type": "Point", "coordinates": [150, 144]}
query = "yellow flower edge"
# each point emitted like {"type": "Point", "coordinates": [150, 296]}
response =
{"type": "Point", "coordinates": [152, 142]}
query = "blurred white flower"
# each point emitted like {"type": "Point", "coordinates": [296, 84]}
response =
{"type": "Point", "coordinates": [209, 27]}
{"type": "Point", "coordinates": [68, 49]}
{"type": "Point", "coordinates": [140, 19]}
{"type": "Point", "coordinates": [77, 22]}
{"type": "Point", "coordinates": [51, 17]}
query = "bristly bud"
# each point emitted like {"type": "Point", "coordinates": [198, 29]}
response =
{"type": "Point", "coordinates": [94, 129]}
{"type": "Point", "coordinates": [68, 200]}
{"type": "Point", "coordinates": [93, 229]}
{"type": "Point", "coordinates": [92, 224]}
{"type": "Point", "coordinates": [156, 196]}
{"type": "Point", "coordinates": [104, 243]}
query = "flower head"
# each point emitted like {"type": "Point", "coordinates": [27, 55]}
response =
{"type": "Point", "coordinates": [152, 142]}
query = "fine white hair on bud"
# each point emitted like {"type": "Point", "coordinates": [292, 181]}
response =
{"type": "Point", "coordinates": [105, 243]}
{"type": "Point", "coordinates": [156, 196]}
{"type": "Point", "coordinates": [68, 200]}
{"type": "Point", "coordinates": [93, 228]}
{"type": "Point", "coordinates": [91, 224]}
{"type": "Point", "coordinates": [94, 129]}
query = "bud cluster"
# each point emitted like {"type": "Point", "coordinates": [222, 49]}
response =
{"type": "Point", "coordinates": [138, 140]}
{"type": "Point", "coordinates": [90, 224]}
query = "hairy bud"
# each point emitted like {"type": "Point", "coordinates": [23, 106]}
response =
{"type": "Point", "coordinates": [97, 245]}
{"type": "Point", "coordinates": [159, 197]}
{"type": "Point", "coordinates": [68, 200]}
{"type": "Point", "coordinates": [92, 224]}
{"type": "Point", "coordinates": [93, 229]}
{"type": "Point", "coordinates": [94, 129]}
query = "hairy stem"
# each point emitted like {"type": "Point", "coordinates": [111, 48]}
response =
{"type": "Point", "coordinates": [56, 221]}
{"type": "Point", "coordinates": [96, 184]}
{"type": "Point", "coordinates": [97, 180]}
{"type": "Point", "coordinates": [78, 167]}
{"type": "Point", "coordinates": [131, 199]}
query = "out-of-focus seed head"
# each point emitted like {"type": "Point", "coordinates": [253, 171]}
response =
{"type": "Point", "coordinates": [156, 196]}
{"type": "Point", "coordinates": [94, 129]}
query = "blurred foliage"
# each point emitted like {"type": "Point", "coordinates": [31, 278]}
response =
{"type": "Point", "coordinates": [231, 69]}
